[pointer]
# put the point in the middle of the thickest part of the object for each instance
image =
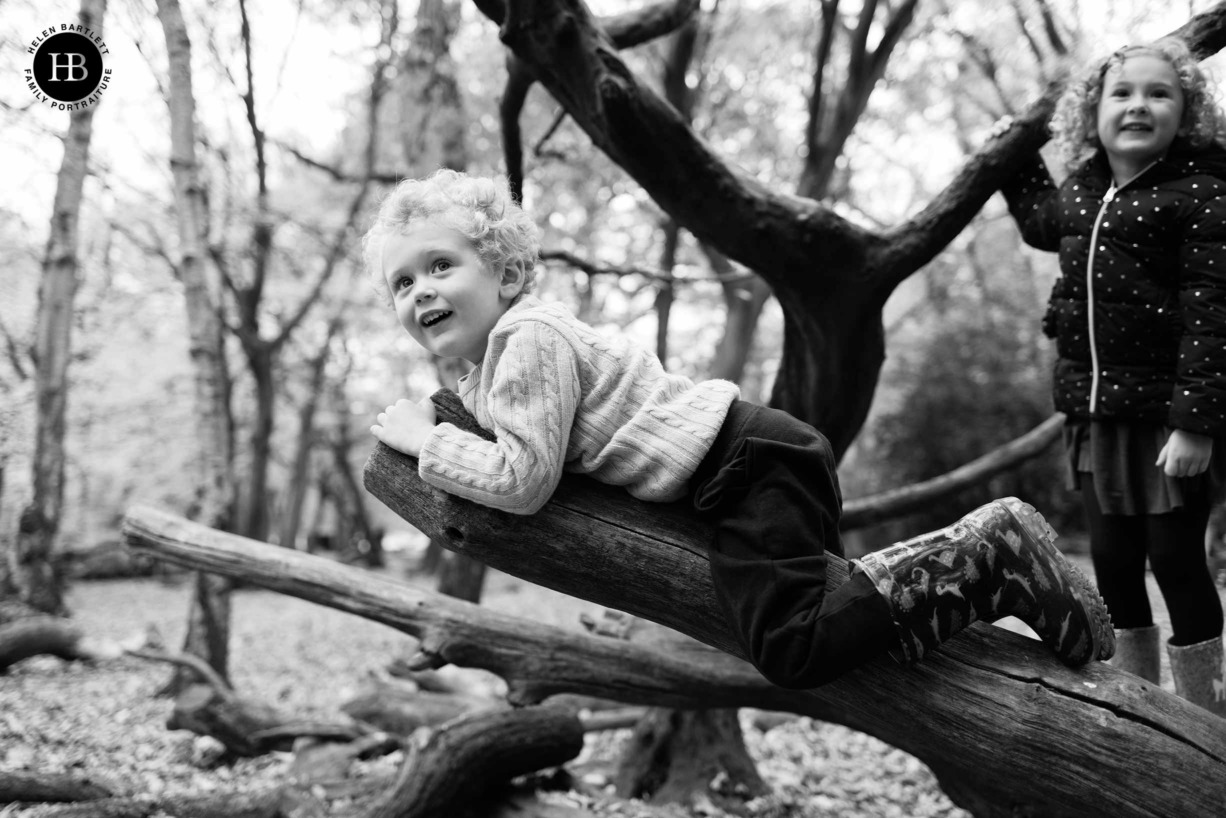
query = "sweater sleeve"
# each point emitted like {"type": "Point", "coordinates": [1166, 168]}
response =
{"type": "Point", "coordinates": [1199, 400]}
{"type": "Point", "coordinates": [1031, 196]}
{"type": "Point", "coordinates": [531, 400]}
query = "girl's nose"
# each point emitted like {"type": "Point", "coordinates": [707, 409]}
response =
{"type": "Point", "coordinates": [424, 294]}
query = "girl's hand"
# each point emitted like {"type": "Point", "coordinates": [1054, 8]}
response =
{"type": "Point", "coordinates": [405, 425]}
{"type": "Point", "coordinates": [1186, 454]}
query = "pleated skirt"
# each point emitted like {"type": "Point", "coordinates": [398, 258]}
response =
{"type": "Point", "coordinates": [1121, 456]}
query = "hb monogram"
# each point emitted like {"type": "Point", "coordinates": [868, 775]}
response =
{"type": "Point", "coordinates": [73, 64]}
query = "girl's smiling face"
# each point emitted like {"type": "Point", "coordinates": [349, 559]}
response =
{"type": "Point", "coordinates": [1139, 113]}
{"type": "Point", "coordinates": [444, 293]}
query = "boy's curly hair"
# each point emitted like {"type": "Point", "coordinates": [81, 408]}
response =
{"type": "Point", "coordinates": [1074, 125]}
{"type": "Point", "coordinates": [479, 207]}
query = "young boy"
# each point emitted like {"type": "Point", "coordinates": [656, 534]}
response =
{"type": "Point", "coordinates": [456, 255]}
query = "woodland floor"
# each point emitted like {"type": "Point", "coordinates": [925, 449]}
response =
{"type": "Point", "coordinates": [105, 721]}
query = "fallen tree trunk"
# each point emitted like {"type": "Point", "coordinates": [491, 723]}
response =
{"type": "Point", "coordinates": [456, 763]}
{"type": "Point", "coordinates": [992, 714]}
{"type": "Point", "coordinates": [279, 802]}
{"type": "Point", "coordinates": [41, 635]}
{"type": "Point", "coordinates": [48, 786]}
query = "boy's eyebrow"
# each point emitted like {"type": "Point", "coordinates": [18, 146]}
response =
{"type": "Point", "coordinates": [429, 251]}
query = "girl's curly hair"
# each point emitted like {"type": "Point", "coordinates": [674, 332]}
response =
{"type": "Point", "coordinates": [479, 207]}
{"type": "Point", "coordinates": [1074, 125]}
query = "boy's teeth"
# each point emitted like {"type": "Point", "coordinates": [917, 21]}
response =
{"type": "Point", "coordinates": [434, 318]}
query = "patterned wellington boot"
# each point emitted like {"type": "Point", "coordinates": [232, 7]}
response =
{"type": "Point", "coordinates": [997, 561]}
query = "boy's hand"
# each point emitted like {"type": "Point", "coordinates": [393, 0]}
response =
{"type": "Point", "coordinates": [405, 425]}
{"type": "Point", "coordinates": [1186, 454]}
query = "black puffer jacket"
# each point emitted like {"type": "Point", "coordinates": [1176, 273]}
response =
{"type": "Point", "coordinates": [1147, 302]}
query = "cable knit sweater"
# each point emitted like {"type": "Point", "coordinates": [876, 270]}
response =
{"type": "Point", "coordinates": [559, 396]}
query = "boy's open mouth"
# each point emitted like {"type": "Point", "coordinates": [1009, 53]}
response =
{"type": "Point", "coordinates": [432, 318]}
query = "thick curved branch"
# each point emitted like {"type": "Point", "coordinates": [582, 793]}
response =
{"type": "Point", "coordinates": [895, 503]}
{"type": "Point", "coordinates": [596, 542]}
{"type": "Point", "coordinates": [625, 30]}
{"type": "Point", "coordinates": [914, 243]}
{"type": "Point", "coordinates": [577, 61]}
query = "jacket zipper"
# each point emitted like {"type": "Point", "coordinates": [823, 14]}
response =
{"type": "Point", "coordinates": [1108, 197]}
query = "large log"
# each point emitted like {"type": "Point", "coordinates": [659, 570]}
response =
{"type": "Point", "coordinates": [992, 715]}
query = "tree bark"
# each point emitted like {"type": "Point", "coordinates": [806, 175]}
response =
{"type": "Point", "coordinates": [990, 714]}
{"type": "Point", "coordinates": [208, 631]}
{"type": "Point", "coordinates": [38, 636]}
{"type": "Point", "coordinates": [31, 570]}
{"type": "Point", "coordinates": [456, 763]}
{"type": "Point", "coordinates": [47, 786]}
{"type": "Point", "coordinates": [674, 754]}
{"type": "Point", "coordinates": [277, 802]}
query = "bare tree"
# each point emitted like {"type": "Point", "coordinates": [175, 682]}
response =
{"type": "Point", "coordinates": [208, 627]}
{"type": "Point", "coordinates": [208, 632]}
{"type": "Point", "coordinates": [31, 570]}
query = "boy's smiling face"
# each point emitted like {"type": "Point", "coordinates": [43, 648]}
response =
{"type": "Point", "coordinates": [444, 293]}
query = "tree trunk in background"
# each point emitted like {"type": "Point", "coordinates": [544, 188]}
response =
{"type": "Point", "coordinates": [744, 299]}
{"type": "Point", "coordinates": [299, 478]}
{"type": "Point", "coordinates": [681, 756]}
{"type": "Point", "coordinates": [31, 570]}
{"type": "Point", "coordinates": [208, 631]}
{"type": "Point", "coordinates": [430, 111]}
{"type": "Point", "coordinates": [432, 121]}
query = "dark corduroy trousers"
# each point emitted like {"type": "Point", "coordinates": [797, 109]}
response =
{"type": "Point", "coordinates": [770, 488]}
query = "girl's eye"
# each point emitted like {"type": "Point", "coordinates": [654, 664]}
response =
{"type": "Point", "coordinates": [442, 265]}
{"type": "Point", "coordinates": [403, 283]}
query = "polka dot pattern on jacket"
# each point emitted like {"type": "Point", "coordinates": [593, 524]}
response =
{"type": "Point", "coordinates": [1142, 287]}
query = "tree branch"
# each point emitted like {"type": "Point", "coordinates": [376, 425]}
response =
{"type": "Point", "coordinates": [596, 542]}
{"type": "Point", "coordinates": [896, 502]}
{"type": "Point", "coordinates": [914, 243]}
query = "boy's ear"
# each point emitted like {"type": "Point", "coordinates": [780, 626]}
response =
{"type": "Point", "coordinates": [511, 282]}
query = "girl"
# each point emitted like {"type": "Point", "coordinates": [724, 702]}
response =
{"type": "Point", "coordinates": [456, 256]}
{"type": "Point", "coordinates": [1139, 318]}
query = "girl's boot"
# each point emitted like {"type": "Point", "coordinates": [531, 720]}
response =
{"type": "Point", "coordinates": [1136, 651]}
{"type": "Point", "coordinates": [997, 561]}
{"type": "Point", "coordinates": [1200, 676]}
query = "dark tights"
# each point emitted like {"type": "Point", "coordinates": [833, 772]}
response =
{"type": "Point", "coordinates": [1174, 543]}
